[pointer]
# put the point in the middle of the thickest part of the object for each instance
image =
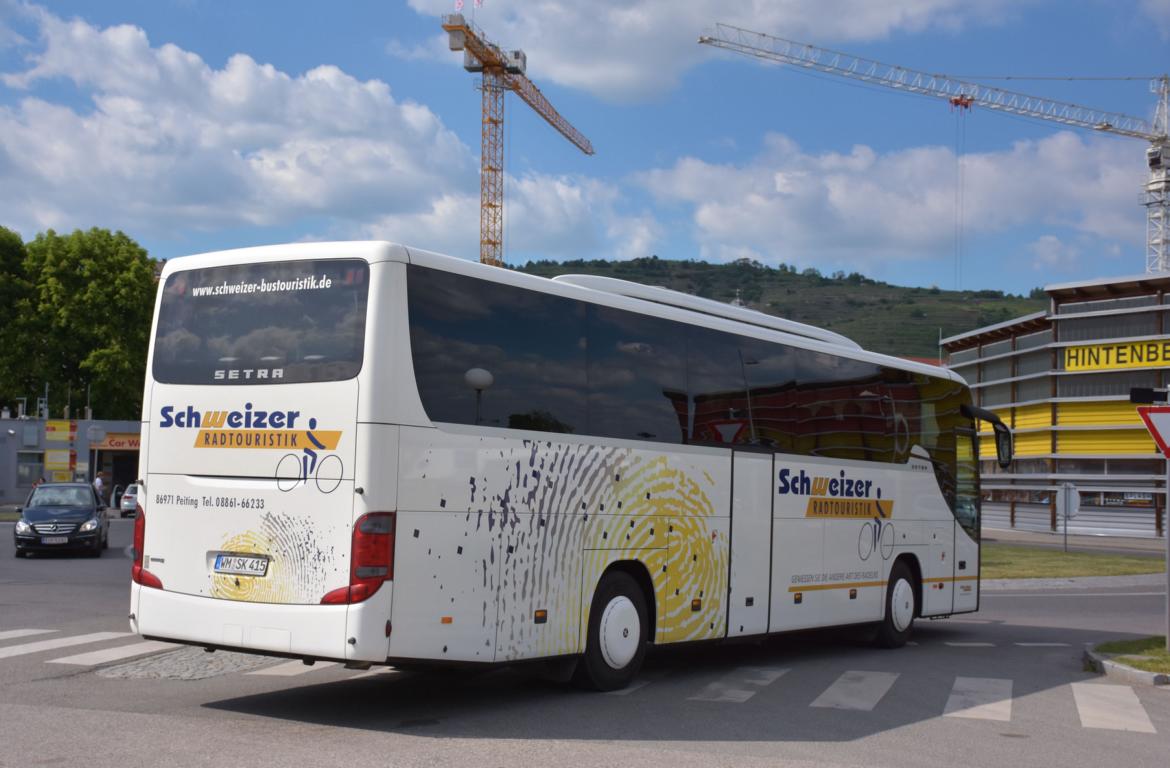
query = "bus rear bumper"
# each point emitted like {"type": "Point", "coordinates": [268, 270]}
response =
{"type": "Point", "coordinates": [298, 631]}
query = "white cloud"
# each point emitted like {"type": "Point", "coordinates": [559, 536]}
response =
{"type": "Point", "coordinates": [169, 143]}
{"type": "Point", "coordinates": [11, 10]}
{"type": "Point", "coordinates": [172, 142]}
{"type": "Point", "coordinates": [449, 225]}
{"type": "Point", "coordinates": [1051, 254]}
{"type": "Point", "coordinates": [545, 217]}
{"type": "Point", "coordinates": [862, 209]}
{"type": "Point", "coordinates": [432, 49]}
{"type": "Point", "coordinates": [1159, 12]}
{"type": "Point", "coordinates": [625, 51]}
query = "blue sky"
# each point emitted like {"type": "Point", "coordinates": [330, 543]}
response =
{"type": "Point", "coordinates": [195, 125]}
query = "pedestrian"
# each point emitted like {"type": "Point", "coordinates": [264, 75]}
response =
{"type": "Point", "coordinates": [98, 485]}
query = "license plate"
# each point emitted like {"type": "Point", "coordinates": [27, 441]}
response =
{"type": "Point", "coordinates": [54, 539]}
{"type": "Point", "coordinates": [244, 565]}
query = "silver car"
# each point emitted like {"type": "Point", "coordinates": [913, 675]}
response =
{"type": "Point", "coordinates": [128, 507]}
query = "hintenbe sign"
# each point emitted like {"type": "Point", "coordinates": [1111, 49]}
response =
{"type": "Point", "coordinates": [1130, 354]}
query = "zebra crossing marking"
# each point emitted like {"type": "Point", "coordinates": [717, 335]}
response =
{"type": "Point", "coordinates": [857, 690]}
{"type": "Point", "coordinates": [980, 698]}
{"type": "Point", "coordinates": [731, 687]}
{"type": "Point", "coordinates": [638, 684]}
{"type": "Point", "coordinates": [60, 642]}
{"type": "Point", "coordinates": [12, 634]}
{"type": "Point", "coordinates": [293, 668]}
{"type": "Point", "coordinates": [1099, 705]}
{"type": "Point", "coordinates": [377, 671]}
{"type": "Point", "coordinates": [634, 686]}
{"type": "Point", "coordinates": [117, 653]}
{"type": "Point", "coordinates": [1111, 707]}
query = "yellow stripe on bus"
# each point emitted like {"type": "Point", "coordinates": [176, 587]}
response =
{"type": "Point", "coordinates": [852, 585]}
{"type": "Point", "coordinates": [268, 439]}
{"type": "Point", "coordinates": [860, 584]}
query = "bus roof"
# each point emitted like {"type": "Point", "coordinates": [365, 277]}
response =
{"type": "Point", "coordinates": [682, 300]}
{"type": "Point", "coordinates": [620, 294]}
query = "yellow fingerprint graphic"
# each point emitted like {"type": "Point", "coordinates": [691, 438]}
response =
{"type": "Point", "coordinates": [301, 568]}
{"type": "Point", "coordinates": [668, 518]}
{"type": "Point", "coordinates": [274, 587]}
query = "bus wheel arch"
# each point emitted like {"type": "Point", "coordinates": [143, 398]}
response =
{"type": "Point", "coordinates": [903, 602]}
{"type": "Point", "coordinates": [619, 630]}
{"type": "Point", "coordinates": [638, 571]}
{"type": "Point", "coordinates": [915, 567]}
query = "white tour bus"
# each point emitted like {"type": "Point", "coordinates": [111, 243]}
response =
{"type": "Point", "coordinates": [367, 453]}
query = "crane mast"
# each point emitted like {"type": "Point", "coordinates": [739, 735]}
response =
{"type": "Point", "coordinates": [502, 71]}
{"type": "Point", "coordinates": [966, 94]}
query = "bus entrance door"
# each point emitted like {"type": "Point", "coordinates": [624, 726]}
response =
{"type": "Point", "coordinates": [751, 543]}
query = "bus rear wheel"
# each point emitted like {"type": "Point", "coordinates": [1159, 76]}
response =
{"type": "Point", "coordinates": [616, 643]}
{"type": "Point", "coordinates": [901, 607]}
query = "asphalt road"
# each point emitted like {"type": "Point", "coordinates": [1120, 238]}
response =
{"type": "Point", "coordinates": [1003, 687]}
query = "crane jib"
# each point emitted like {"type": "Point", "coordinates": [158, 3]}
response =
{"type": "Point", "coordinates": [761, 45]}
{"type": "Point", "coordinates": [965, 94]}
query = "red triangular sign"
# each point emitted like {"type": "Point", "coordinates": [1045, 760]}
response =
{"type": "Point", "coordinates": [1157, 419]}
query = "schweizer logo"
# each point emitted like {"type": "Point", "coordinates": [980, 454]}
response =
{"type": "Point", "coordinates": [253, 428]}
{"type": "Point", "coordinates": [250, 428]}
{"type": "Point", "coordinates": [846, 497]}
{"type": "Point", "coordinates": [842, 496]}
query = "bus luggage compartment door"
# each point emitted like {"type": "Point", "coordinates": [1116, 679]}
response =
{"type": "Point", "coordinates": [751, 543]}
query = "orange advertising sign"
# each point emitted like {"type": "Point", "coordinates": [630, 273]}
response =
{"type": "Point", "coordinates": [120, 441]}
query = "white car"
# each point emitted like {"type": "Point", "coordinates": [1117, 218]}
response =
{"type": "Point", "coordinates": [128, 507]}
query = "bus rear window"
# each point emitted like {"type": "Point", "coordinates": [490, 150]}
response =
{"type": "Point", "coordinates": [265, 323]}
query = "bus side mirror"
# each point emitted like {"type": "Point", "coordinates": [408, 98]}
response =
{"type": "Point", "coordinates": [1003, 444]}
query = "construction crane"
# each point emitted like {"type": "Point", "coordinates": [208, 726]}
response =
{"type": "Point", "coordinates": [966, 94]}
{"type": "Point", "coordinates": [503, 71]}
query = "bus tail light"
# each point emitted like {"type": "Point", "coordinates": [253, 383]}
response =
{"type": "Point", "coordinates": [371, 559]}
{"type": "Point", "coordinates": [138, 574]}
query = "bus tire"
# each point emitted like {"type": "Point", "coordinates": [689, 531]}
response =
{"type": "Point", "coordinates": [901, 607]}
{"type": "Point", "coordinates": [618, 633]}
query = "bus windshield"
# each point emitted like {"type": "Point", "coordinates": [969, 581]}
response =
{"type": "Point", "coordinates": [263, 323]}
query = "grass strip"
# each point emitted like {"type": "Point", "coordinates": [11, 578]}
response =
{"type": "Point", "coordinates": [1002, 561]}
{"type": "Point", "coordinates": [1148, 654]}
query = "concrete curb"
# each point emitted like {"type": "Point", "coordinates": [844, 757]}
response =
{"type": "Point", "coordinates": [1104, 664]}
{"type": "Point", "coordinates": [1077, 582]}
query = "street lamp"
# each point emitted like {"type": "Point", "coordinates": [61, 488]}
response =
{"type": "Point", "coordinates": [479, 380]}
{"type": "Point", "coordinates": [743, 363]}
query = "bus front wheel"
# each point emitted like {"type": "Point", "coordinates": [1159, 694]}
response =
{"type": "Point", "coordinates": [616, 643]}
{"type": "Point", "coordinates": [901, 607]}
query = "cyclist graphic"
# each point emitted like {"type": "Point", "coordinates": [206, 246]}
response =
{"type": "Point", "coordinates": [310, 459]}
{"type": "Point", "coordinates": [324, 469]}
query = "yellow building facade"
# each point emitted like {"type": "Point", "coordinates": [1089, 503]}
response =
{"type": "Point", "coordinates": [1061, 380]}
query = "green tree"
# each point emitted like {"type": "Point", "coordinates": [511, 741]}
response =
{"type": "Point", "coordinates": [14, 298]}
{"type": "Point", "coordinates": [92, 297]}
